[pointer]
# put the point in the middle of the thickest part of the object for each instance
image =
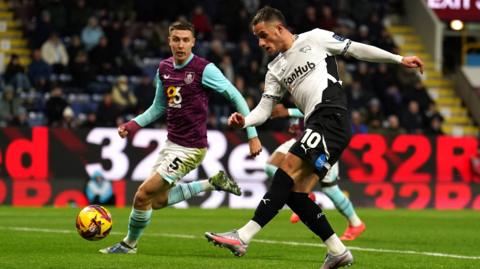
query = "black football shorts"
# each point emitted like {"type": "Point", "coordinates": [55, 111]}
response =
{"type": "Point", "coordinates": [327, 133]}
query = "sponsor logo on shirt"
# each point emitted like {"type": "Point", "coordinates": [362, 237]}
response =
{"type": "Point", "coordinates": [298, 72]}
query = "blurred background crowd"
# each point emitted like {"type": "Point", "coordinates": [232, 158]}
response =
{"type": "Point", "coordinates": [93, 62]}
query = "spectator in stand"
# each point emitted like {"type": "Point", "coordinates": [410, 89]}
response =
{"type": "Point", "coordinates": [227, 67]}
{"type": "Point", "coordinates": [39, 70]}
{"type": "Point", "coordinates": [42, 30]}
{"type": "Point", "coordinates": [393, 101]}
{"type": "Point", "coordinates": [435, 127]}
{"type": "Point", "coordinates": [374, 116]}
{"type": "Point", "coordinates": [74, 47]}
{"type": "Point", "coordinates": [127, 60]}
{"type": "Point", "coordinates": [59, 15]}
{"type": "Point", "coordinates": [55, 54]}
{"type": "Point", "coordinates": [327, 20]}
{"type": "Point", "coordinates": [81, 70]}
{"type": "Point", "coordinates": [92, 33]}
{"type": "Point", "coordinates": [91, 120]}
{"type": "Point", "coordinates": [107, 112]}
{"type": "Point", "coordinates": [68, 118]}
{"type": "Point", "coordinates": [419, 94]}
{"type": "Point", "coordinates": [99, 190]}
{"type": "Point", "coordinates": [201, 23]}
{"type": "Point", "coordinates": [432, 114]}
{"type": "Point", "coordinates": [15, 75]}
{"type": "Point", "coordinates": [102, 59]}
{"type": "Point", "coordinates": [215, 55]}
{"type": "Point", "coordinates": [393, 127]}
{"type": "Point", "coordinates": [114, 33]}
{"type": "Point", "coordinates": [357, 96]}
{"type": "Point", "coordinates": [413, 119]}
{"type": "Point", "coordinates": [123, 96]}
{"type": "Point", "coordinates": [78, 15]}
{"type": "Point", "coordinates": [381, 79]}
{"type": "Point", "coordinates": [145, 92]}
{"type": "Point", "coordinates": [358, 127]}
{"type": "Point", "coordinates": [55, 106]}
{"type": "Point", "coordinates": [21, 120]}
{"type": "Point", "coordinates": [310, 21]}
{"type": "Point", "coordinates": [10, 107]}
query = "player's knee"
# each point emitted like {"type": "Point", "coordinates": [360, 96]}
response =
{"type": "Point", "coordinates": [159, 203]}
{"type": "Point", "coordinates": [143, 196]}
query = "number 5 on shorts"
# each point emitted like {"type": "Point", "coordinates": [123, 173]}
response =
{"type": "Point", "coordinates": [175, 164]}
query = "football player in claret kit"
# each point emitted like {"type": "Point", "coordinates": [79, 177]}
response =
{"type": "Point", "coordinates": [183, 84]}
{"type": "Point", "coordinates": [306, 68]}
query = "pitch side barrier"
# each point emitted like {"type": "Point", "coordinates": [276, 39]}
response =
{"type": "Point", "coordinates": [41, 166]}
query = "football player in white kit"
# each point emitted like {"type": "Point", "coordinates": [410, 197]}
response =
{"type": "Point", "coordinates": [328, 184]}
{"type": "Point", "coordinates": [306, 68]}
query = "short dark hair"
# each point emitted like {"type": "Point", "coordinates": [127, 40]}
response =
{"type": "Point", "coordinates": [181, 25]}
{"type": "Point", "coordinates": [268, 14]}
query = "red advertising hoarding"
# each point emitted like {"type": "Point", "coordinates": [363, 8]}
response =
{"type": "Point", "coordinates": [465, 10]}
{"type": "Point", "coordinates": [42, 166]}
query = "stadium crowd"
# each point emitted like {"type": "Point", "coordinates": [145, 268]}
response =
{"type": "Point", "coordinates": [93, 62]}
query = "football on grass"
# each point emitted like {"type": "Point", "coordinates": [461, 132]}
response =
{"type": "Point", "coordinates": [94, 222]}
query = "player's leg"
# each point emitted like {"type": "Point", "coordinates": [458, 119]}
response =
{"type": "Point", "coordinates": [173, 163]}
{"type": "Point", "coordinates": [184, 191]}
{"type": "Point", "coordinates": [275, 198]}
{"type": "Point", "coordinates": [343, 204]}
{"type": "Point", "coordinates": [277, 157]}
{"type": "Point", "coordinates": [321, 145]}
{"type": "Point", "coordinates": [141, 213]}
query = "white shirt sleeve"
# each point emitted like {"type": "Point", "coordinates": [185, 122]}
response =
{"type": "Point", "coordinates": [260, 113]}
{"type": "Point", "coordinates": [372, 54]}
{"type": "Point", "coordinates": [272, 94]}
{"type": "Point", "coordinates": [338, 45]}
{"type": "Point", "coordinates": [333, 43]}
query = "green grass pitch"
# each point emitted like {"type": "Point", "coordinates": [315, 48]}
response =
{"type": "Point", "coordinates": [46, 238]}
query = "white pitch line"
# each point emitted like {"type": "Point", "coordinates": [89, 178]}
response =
{"type": "Point", "coordinates": [273, 242]}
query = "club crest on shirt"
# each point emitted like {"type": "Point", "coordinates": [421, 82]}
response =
{"type": "Point", "coordinates": [189, 77]}
{"type": "Point", "coordinates": [306, 49]}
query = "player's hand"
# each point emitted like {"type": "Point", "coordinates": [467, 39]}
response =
{"type": "Point", "coordinates": [255, 146]}
{"type": "Point", "coordinates": [279, 111]}
{"type": "Point", "coordinates": [128, 129]}
{"type": "Point", "coordinates": [413, 62]}
{"type": "Point", "coordinates": [236, 120]}
{"type": "Point", "coordinates": [122, 131]}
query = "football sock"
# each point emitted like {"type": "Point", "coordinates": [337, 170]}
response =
{"type": "Point", "coordinates": [335, 245]}
{"type": "Point", "coordinates": [343, 204]}
{"type": "Point", "coordinates": [248, 231]}
{"type": "Point", "coordinates": [185, 191]}
{"type": "Point", "coordinates": [270, 170]}
{"type": "Point", "coordinates": [310, 214]}
{"type": "Point", "coordinates": [139, 219]}
{"type": "Point", "coordinates": [274, 199]}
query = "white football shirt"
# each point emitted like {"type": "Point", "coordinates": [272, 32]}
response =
{"type": "Point", "coordinates": [305, 69]}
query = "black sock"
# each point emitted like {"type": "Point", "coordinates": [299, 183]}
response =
{"type": "Point", "coordinates": [275, 198]}
{"type": "Point", "coordinates": [310, 214]}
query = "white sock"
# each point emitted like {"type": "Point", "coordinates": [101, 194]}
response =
{"type": "Point", "coordinates": [206, 185]}
{"type": "Point", "coordinates": [354, 220]}
{"type": "Point", "coordinates": [248, 231]}
{"type": "Point", "coordinates": [334, 245]}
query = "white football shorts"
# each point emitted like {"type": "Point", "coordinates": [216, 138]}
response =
{"type": "Point", "coordinates": [175, 161]}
